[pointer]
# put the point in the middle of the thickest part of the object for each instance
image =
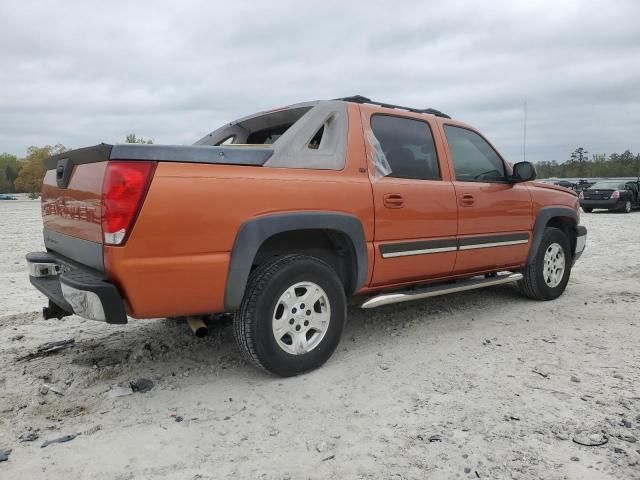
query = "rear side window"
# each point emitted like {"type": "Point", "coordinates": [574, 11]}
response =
{"type": "Point", "coordinates": [408, 147]}
{"type": "Point", "coordinates": [473, 158]}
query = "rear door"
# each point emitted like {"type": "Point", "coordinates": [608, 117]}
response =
{"type": "Point", "coordinates": [495, 216]}
{"type": "Point", "coordinates": [414, 199]}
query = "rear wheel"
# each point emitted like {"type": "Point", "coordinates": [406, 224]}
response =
{"type": "Point", "coordinates": [587, 209]}
{"type": "Point", "coordinates": [292, 315]}
{"type": "Point", "coordinates": [547, 275]}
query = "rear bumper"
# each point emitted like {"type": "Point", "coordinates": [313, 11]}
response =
{"type": "Point", "coordinates": [581, 242]}
{"type": "Point", "coordinates": [608, 204]}
{"type": "Point", "coordinates": [76, 288]}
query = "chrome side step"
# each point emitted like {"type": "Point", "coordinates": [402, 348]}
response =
{"type": "Point", "coordinates": [436, 290]}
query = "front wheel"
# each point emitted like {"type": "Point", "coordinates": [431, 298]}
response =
{"type": "Point", "coordinates": [627, 207]}
{"type": "Point", "coordinates": [587, 209]}
{"type": "Point", "coordinates": [292, 315]}
{"type": "Point", "coordinates": [547, 275]}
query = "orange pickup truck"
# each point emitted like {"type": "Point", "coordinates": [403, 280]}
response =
{"type": "Point", "coordinates": [279, 216]}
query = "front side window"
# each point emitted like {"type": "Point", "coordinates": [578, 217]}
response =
{"type": "Point", "coordinates": [473, 158]}
{"type": "Point", "coordinates": [408, 147]}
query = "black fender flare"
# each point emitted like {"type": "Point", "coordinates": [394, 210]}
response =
{"type": "Point", "coordinates": [542, 219]}
{"type": "Point", "coordinates": [253, 233]}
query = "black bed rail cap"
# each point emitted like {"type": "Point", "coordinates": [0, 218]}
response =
{"type": "Point", "coordinates": [363, 99]}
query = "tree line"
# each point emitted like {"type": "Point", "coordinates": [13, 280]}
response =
{"type": "Point", "coordinates": [24, 175]}
{"type": "Point", "coordinates": [599, 165]}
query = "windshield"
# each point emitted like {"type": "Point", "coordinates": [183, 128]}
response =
{"type": "Point", "coordinates": [607, 186]}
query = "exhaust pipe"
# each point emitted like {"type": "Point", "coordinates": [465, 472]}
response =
{"type": "Point", "coordinates": [54, 311]}
{"type": "Point", "coordinates": [198, 327]}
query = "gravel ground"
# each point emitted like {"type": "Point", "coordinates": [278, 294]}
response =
{"type": "Point", "coordinates": [484, 384]}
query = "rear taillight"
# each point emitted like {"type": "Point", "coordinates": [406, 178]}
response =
{"type": "Point", "coordinates": [123, 191]}
{"type": "Point", "coordinates": [615, 194]}
{"type": "Point", "coordinates": [581, 196]}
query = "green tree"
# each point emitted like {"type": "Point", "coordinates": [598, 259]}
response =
{"type": "Point", "coordinates": [9, 168]}
{"type": "Point", "coordinates": [131, 138]}
{"type": "Point", "coordinates": [32, 172]}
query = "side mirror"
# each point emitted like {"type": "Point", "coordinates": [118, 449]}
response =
{"type": "Point", "coordinates": [523, 172]}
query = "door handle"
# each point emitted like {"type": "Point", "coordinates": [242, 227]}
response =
{"type": "Point", "coordinates": [467, 200]}
{"type": "Point", "coordinates": [393, 200]}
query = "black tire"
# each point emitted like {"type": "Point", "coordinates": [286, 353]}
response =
{"type": "Point", "coordinates": [627, 207]}
{"type": "Point", "coordinates": [533, 285]}
{"type": "Point", "coordinates": [253, 321]}
{"type": "Point", "coordinates": [587, 209]}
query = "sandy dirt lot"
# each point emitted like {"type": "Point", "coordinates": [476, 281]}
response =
{"type": "Point", "coordinates": [484, 384]}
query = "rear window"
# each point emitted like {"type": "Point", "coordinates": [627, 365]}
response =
{"type": "Point", "coordinates": [408, 147]}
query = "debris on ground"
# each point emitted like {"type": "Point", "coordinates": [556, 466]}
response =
{"type": "Point", "coordinates": [228, 417]}
{"type": "Point", "coordinates": [92, 430]}
{"type": "Point", "coordinates": [322, 447]}
{"type": "Point", "coordinates": [176, 417]}
{"type": "Point", "coordinates": [29, 437]}
{"type": "Point", "coordinates": [4, 455]}
{"type": "Point", "coordinates": [118, 391]}
{"type": "Point", "coordinates": [57, 389]}
{"type": "Point", "coordinates": [15, 338]}
{"type": "Point", "coordinates": [590, 439]}
{"type": "Point", "coordinates": [628, 438]}
{"type": "Point", "coordinates": [47, 349]}
{"type": "Point", "coordinates": [66, 438]}
{"type": "Point", "coordinates": [330, 457]}
{"type": "Point", "coordinates": [575, 379]}
{"type": "Point", "coordinates": [142, 385]}
{"type": "Point", "coordinates": [435, 438]}
{"type": "Point", "coordinates": [542, 374]}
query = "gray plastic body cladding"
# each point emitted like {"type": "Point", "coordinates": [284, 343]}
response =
{"type": "Point", "coordinates": [254, 156]}
{"type": "Point", "coordinates": [544, 215]}
{"type": "Point", "coordinates": [82, 251]}
{"type": "Point", "coordinates": [253, 233]}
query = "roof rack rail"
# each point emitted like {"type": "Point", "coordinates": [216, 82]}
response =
{"type": "Point", "coordinates": [361, 99]}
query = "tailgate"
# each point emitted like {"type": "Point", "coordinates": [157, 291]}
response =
{"type": "Point", "coordinates": [71, 204]}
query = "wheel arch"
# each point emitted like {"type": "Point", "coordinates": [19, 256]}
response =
{"type": "Point", "coordinates": [563, 218]}
{"type": "Point", "coordinates": [340, 230]}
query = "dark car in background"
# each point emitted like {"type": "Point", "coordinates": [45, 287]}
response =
{"type": "Point", "coordinates": [611, 195]}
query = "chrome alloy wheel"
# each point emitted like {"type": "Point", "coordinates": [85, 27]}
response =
{"type": "Point", "coordinates": [301, 318]}
{"type": "Point", "coordinates": [554, 265]}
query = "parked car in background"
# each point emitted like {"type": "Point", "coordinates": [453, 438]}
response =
{"type": "Point", "coordinates": [611, 195]}
{"type": "Point", "coordinates": [280, 216]}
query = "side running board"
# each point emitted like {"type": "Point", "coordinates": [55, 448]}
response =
{"type": "Point", "coordinates": [436, 290]}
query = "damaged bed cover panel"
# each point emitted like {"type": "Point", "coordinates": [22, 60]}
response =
{"type": "Point", "coordinates": [254, 156]}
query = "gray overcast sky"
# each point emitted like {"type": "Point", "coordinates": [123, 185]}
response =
{"type": "Point", "coordinates": [79, 73]}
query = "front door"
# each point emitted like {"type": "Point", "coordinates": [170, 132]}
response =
{"type": "Point", "coordinates": [495, 216]}
{"type": "Point", "coordinates": [414, 200]}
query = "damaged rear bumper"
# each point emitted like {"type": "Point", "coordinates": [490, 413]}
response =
{"type": "Point", "coordinates": [76, 288]}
